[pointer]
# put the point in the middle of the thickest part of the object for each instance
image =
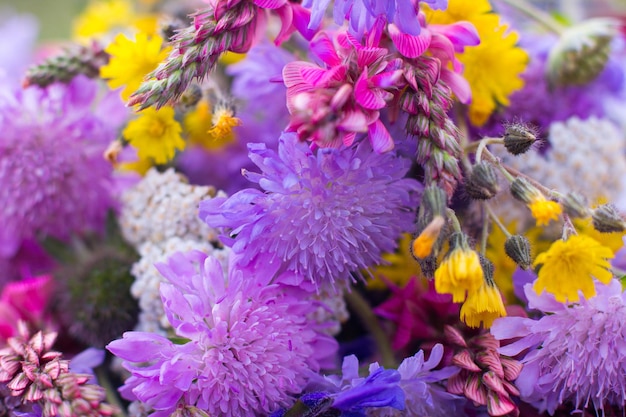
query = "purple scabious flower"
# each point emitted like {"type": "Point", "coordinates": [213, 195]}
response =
{"type": "Point", "coordinates": [54, 179]}
{"type": "Point", "coordinates": [323, 215]}
{"type": "Point", "coordinates": [244, 347]}
{"type": "Point", "coordinates": [576, 353]}
{"type": "Point", "coordinates": [362, 15]}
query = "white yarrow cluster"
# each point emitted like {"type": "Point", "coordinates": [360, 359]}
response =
{"type": "Point", "coordinates": [160, 217]}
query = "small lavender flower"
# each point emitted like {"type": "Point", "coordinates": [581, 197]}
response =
{"type": "Point", "coordinates": [245, 347]}
{"type": "Point", "coordinates": [323, 216]}
{"type": "Point", "coordinates": [573, 354]}
{"type": "Point", "coordinates": [16, 55]}
{"type": "Point", "coordinates": [55, 181]}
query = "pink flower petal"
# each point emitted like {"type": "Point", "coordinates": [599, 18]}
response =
{"type": "Point", "coordinates": [380, 138]}
{"type": "Point", "coordinates": [464, 360]}
{"type": "Point", "coordinates": [367, 98]}
{"type": "Point", "coordinates": [410, 46]}
{"type": "Point", "coordinates": [499, 405]}
{"type": "Point", "coordinates": [270, 4]}
{"type": "Point", "coordinates": [323, 47]}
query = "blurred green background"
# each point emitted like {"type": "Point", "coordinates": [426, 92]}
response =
{"type": "Point", "coordinates": [55, 16]}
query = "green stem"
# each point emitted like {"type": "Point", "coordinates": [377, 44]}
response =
{"type": "Point", "coordinates": [485, 231]}
{"type": "Point", "coordinates": [536, 14]}
{"type": "Point", "coordinates": [482, 146]}
{"type": "Point", "coordinates": [361, 307]}
{"type": "Point", "coordinates": [456, 225]}
{"type": "Point", "coordinates": [111, 393]}
{"type": "Point", "coordinates": [496, 220]}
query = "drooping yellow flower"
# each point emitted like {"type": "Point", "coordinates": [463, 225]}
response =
{"type": "Point", "coordinates": [493, 67]}
{"type": "Point", "coordinates": [544, 210]}
{"type": "Point", "coordinates": [483, 305]}
{"type": "Point", "coordinates": [155, 134]}
{"type": "Point", "coordinates": [422, 246]}
{"type": "Point", "coordinates": [131, 61]}
{"type": "Point", "coordinates": [400, 269]}
{"type": "Point", "coordinates": [569, 266]}
{"type": "Point", "coordinates": [460, 270]}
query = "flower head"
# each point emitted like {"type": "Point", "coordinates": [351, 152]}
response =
{"type": "Point", "coordinates": [323, 216]}
{"type": "Point", "coordinates": [570, 265]}
{"type": "Point", "coordinates": [460, 270]}
{"type": "Point", "coordinates": [574, 353]}
{"type": "Point", "coordinates": [483, 305]}
{"type": "Point", "coordinates": [131, 60]}
{"type": "Point", "coordinates": [245, 346]}
{"type": "Point", "coordinates": [55, 181]}
{"type": "Point", "coordinates": [155, 134]}
{"type": "Point", "coordinates": [544, 210]}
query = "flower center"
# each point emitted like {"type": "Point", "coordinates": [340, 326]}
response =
{"type": "Point", "coordinates": [156, 128]}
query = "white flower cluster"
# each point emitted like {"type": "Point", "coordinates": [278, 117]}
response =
{"type": "Point", "coordinates": [331, 312]}
{"type": "Point", "coordinates": [160, 217]}
{"type": "Point", "coordinates": [162, 206]}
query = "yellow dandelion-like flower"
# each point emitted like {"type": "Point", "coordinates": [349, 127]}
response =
{"type": "Point", "coordinates": [400, 269]}
{"type": "Point", "coordinates": [544, 210]}
{"type": "Point", "coordinates": [483, 306]}
{"type": "Point", "coordinates": [569, 266]}
{"type": "Point", "coordinates": [155, 134]}
{"type": "Point", "coordinates": [229, 58]}
{"type": "Point", "coordinates": [493, 67]}
{"type": "Point", "coordinates": [460, 270]}
{"type": "Point", "coordinates": [223, 123]}
{"type": "Point", "coordinates": [131, 61]}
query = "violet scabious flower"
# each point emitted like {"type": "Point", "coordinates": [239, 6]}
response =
{"type": "Point", "coordinates": [362, 15]}
{"type": "Point", "coordinates": [573, 354]}
{"type": "Point", "coordinates": [245, 347]}
{"type": "Point", "coordinates": [323, 216]}
{"type": "Point", "coordinates": [55, 181]}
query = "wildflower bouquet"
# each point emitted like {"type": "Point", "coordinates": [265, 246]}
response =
{"type": "Point", "coordinates": [275, 208]}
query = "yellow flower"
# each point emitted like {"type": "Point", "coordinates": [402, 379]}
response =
{"type": "Point", "coordinates": [400, 269]}
{"type": "Point", "coordinates": [483, 305]}
{"type": "Point", "coordinates": [223, 123]}
{"type": "Point", "coordinates": [544, 210]}
{"type": "Point", "coordinates": [423, 245]}
{"type": "Point", "coordinates": [103, 16]}
{"type": "Point", "coordinates": [493, 67]}
{"type": "Point", "coordinates": [131, 61]}
{"type": "Point", "coordinates": [460, 271]}
{"type": "Point", "coordinates": [570, 265]}
{"type": "Point", "coordinates": [229, 58]}
{"type": "Point", "coordinates": [155, 134]}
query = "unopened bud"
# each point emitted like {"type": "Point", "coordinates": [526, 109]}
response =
{"type": "Point", "coordinates": [482, 183]}
{"type": "Point", "coordinates": [422, 246]}
{"type": "Point", "coordinates": [519, 138]}
{"type": "Point", "coordinates": [434, 203]}
{"type": "Point", "coordinates": [428, 265]}
{"type": "Point", "coordinates": [517, 247]}
{"type": "Point", "coordinates": [575, 205]}
{"type": "Point", "coordinates": [606, 219]}
{"type": "Point", "coordinates": [487, 267]}
{"type": "Point", "coordinates": [524, 191]}
{"type": "Point", "coordinates": [581, 52]}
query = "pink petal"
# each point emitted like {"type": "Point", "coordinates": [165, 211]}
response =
{"type": "Point", "coordinates": [301, 19]}
{"type": "Point", "coordinates": [368, 56]}
{"type": "Point", "coordinates": [366, 97]}
{"type": "Point", "coordinates": [285, 13]}
{"type": "Point", "coordinates": [493, 382]}
{"type": "Point", "coordinates": [323, 47]}
{"type": "Point", "coordinates": [460, 34]}
{"type": "Point", "coordinates": [270, 4]}
{"type": "Point", "coordinates": [474, 390]}
{"type": "Point", "coordinates": [410, 46]}
{"type": "Point", "coordinates": [353, 121]}
{"type": "Point", "coordinates": [380, 138]}
{"type": "Point", "coordinates": [499, 405]}
{"type": "Point", "coordinates": [464, 360]}
{"type": "Point", "coordinates": [348, 138]}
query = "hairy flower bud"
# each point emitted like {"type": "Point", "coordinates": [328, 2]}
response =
{"type": "Point", "coordinates": [575, 205]}
{"type": "Point", "coordinates": [607, 219]}
{"type": "Point", "coordinates": [519, 138]}
{"type": "Point", "coordinates": [482, 183]}
{"type": "Point", "coordinates": [517, 247]}
{"type": "Point", "coordinates": [581, 52]}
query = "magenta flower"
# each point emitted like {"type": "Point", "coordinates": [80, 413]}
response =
{"type": "Point", "coordinates": [244, 346]}
{"type": "Point", "coordinates": [24, 300]}
{"type": "Point", "coordinates": [330, 105]}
